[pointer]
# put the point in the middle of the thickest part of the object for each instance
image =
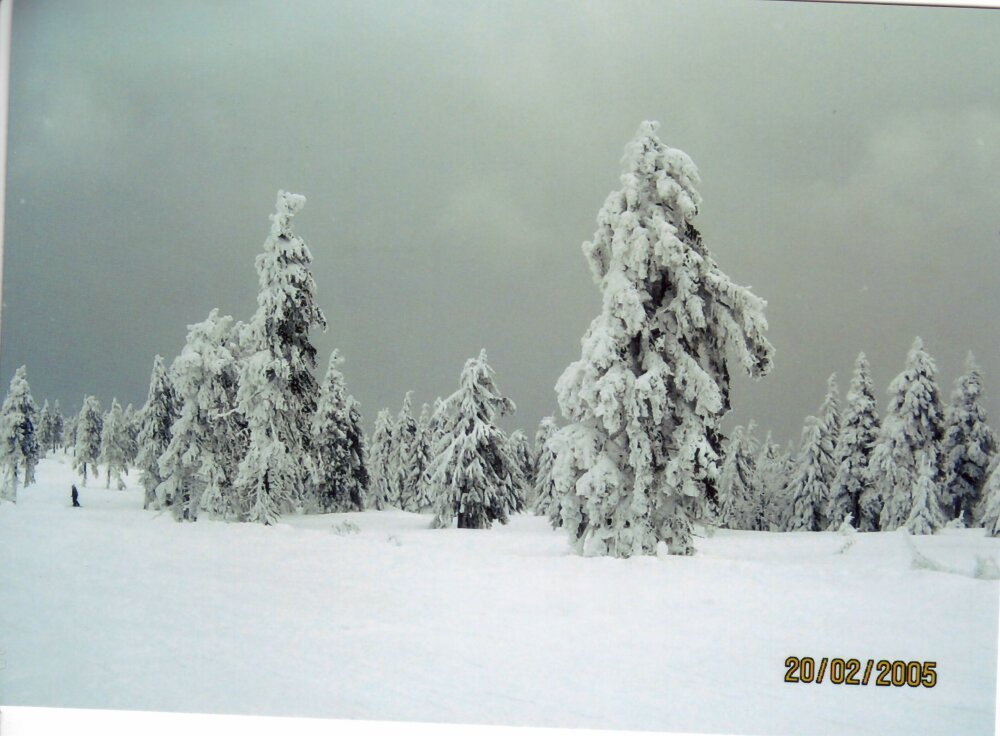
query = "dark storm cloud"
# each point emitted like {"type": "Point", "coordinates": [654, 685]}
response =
{"type": "Point", "coordinates": [455, 156]}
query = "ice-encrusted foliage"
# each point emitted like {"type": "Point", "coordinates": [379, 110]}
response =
{"type": "Point", "coordinates": [89, 424]}
{"type": "Point", "coordinates": [420, 460]}
{"type": "Point", "coordinates": [913, 425]}
{"type": "Point", "coordinates": [44, 429]}
{"type": "Point", "coordinates": [401, 476]}
{"type": "Point", "coordinates": [771, 468]}
{"type": "Point", "coordinates": [858, 434]}
{"type": "Point", "coordinates": [473, 476]}
{"type": "Point", "coordinates": [925, 514]}
{"type": "Point", "coordinates": [57, 427]}
{"type": "Point", "coordinates": [829, 419]}
{"type": "Point", "coordinates": [19, 451]}
{"type": "Point", "coordinates": [520, 449]}
{"type": "Point", "coordinates": [155, 419]}
{"type": "Point", "coordinates": [637, 462]}
{"type": "Point", "coordinates": [207, 438]}
{"type": "Point", "coordinates": [807, 486]}
{"type": "Point", "coordinates": [968, 445]}
{"type": "Point", "coordinates": [737, 492]}
{"type": "Point", "coordinates": [381, 458]}
{"type": "Point", "coordinates": [988, 508]}
{"type": "Point", "coordinates": [277, 390]}
{"type": "Point", "coordinates": [114, 446]}
{"type": "Point", "coordinates": [543, 498]}
{"type": "Point", "coordinates": [131, 419]}
{"type": "Point", "coordinates": [337, 462]}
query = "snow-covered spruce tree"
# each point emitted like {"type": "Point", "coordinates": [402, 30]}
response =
{"type": "Point", "coordinates": [737, 493]}
{"type": "Point", "coordinates": [57, 427]}
{"type": "Point", "coordinates": [771, 475]}
{"type": "Point", "coordinates": [637, 462]}
{"type": "Point", "coordinates": [155, 420]}
{"type": "Point", "coordinates": [858, 434]}
{"type": "Point", "coordinates": [43, 435]}
{"type": "Point", "coordinates": [89, 425]}
{"type": "Point", "coordinates": [520, 449]}
{"type": "Point", "coordinates": [987, 512]}
{"type": "Point", "coordinates": [380, 458]}
{"type": "Point", "coordinates": [473, 476]}
{"type": "Point", "coordinates": [19, 450]}
{"type": "Point", "coordinates": [206, 440]}
{"type": "Point", "coordinates": [401, 476]}
{"type": "Point", "coordinates": [806, 488]}
{"type": "Point", "coordinates": [420, 460]}
{"type": "Point", "coordinates": [69, 433]}
{"type": "Point", "coordinates": [925, 514]}
{"type": "Point", "coordinates": [913, 424]}
{"type": "Point", "coordinates": [132, 435]}
{"type": "Point", "coordinates": [829, 418]}
{"type": "Point", "coordinates": [968, 445]}
{"type": "Point", "coordinates": [337, 461]}
{"type": "Point", "coordinates": [543, 499]}
{"type": "Point", "coordinates": [277, 390]}
{"type": "Point", "coordinates": [114, 445]}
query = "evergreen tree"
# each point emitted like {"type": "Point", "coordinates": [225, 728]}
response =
{"type": "Point", "coordinates": [114, 445]}
{"type": "Point", "coordinates": [520, 449]}
{"type": "Point", "coordinates": [69, 433]}
{"type": "Point", "coordinates": [637, 462]}
{"type": "Point", "coordinates": [155, 420]}
{"type": "Point", "coordinates": [277, 391]}
{"type": "Point", "coordinates": [420, 459]}
{"type": "Point", "coordinates": [89, 425]}
{"type": "Point", "coordinates": [207, 440]}
{"type": "Point", "coordinates": [829, 420]}
{"type": "Point", "coordinates": [381, 458]}
{"type": "Point", "coordinates": [402, 478]}
{"type": "Point", "coordinates": [473, 475]}
{"type": "Point", "coordinates": [858, 434]}
{"type": "Point", "coordinates": [737, 492]}
{"type": "Point", "coordinates": [988, 509]}
{"type": "Point", "coordinates": [337, 462]}
{"type": "Point", "coordinates": [968, 445]}
{"type": "Point", "coordinates": [57, 428]}
{"type": "Point", "coordinates": [19, 450]}
{"type": "Point", "coordinates": [44, 429]}
{"type": "Point", "coordinates": [771, 475]}
{"type": "Point", "coordinates": [131, 435]}
{"type": "Point", "coordinates": [544, 499]}
{"type": "Point", "coordinates": [913, 425]}
{"type": "Point", "coordinates": [925, 514]}
{"type": "Point", "coordinates": [806, 490]}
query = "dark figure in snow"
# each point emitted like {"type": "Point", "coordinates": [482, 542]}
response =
{"type": "Point", "coordinates": [76, 497]}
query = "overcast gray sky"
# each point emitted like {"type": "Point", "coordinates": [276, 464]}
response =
{"type": "Point", "coordinates": [455, 156]}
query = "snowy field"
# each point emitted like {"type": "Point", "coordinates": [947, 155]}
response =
{"type": "Point", "coordinates": [110, 606]}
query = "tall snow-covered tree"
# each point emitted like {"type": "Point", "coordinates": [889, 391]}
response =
{"type": "Point", "coordinates": [520, 449]}
{"type": "Point", "coordinates": [473, 476]}
{"type": "Point", "coordinates": [44, 431]}
{"type": "Point", "coordinates": [19, 451]}
{"type": "Point", "coordinates": [89, 425]}
{"type": "Point", "coordinates": [543, 498]}
{"type": "Point", "coordinates": [154, 420]}
{"type": "Point", "coordinates": [914, 424]}
{"type": "Point", "coordinates": [277, 390]}
{"type": "Point", "coordinates": [968, 445]}
{"type": "Point", "coordinates": [421, 455]}
{"type": "Point", "coordinates": [401, 472]}
{"type": "Point", "coordinates": [114, 445]}
{"type": "Point", "coordinates": [829, 419]}
{"type": "Point", "coordinates": [57, 427]}
{"type": "Point", "coordinates": [925, 514]}
{"type": "Point", "coordinates": [132, 435]}
{"type": "Point", "coordinates": [806, 488]}
{"type": "Point", "coordinates": [69, 433]}
{"type": "Point", "coordinates": [637, 463]}
{"type": "Point", "coordinates": [207, 440]}
{"type": "Point", "coordinates": [858, 434]}
{"type": "Point", "coordinates": [988, 509]}
{"type": "Point", "coordinates": [771, 469]}
{"type": "Point", "coordinates": [337, 460]}
{"type": "Point", "coordinates": [737, 491]}
{"type": "Point", "coordinates": [380, 465]}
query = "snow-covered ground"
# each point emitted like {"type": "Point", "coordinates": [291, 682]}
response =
{"type": "Point", "coordinates": [110, 606]}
